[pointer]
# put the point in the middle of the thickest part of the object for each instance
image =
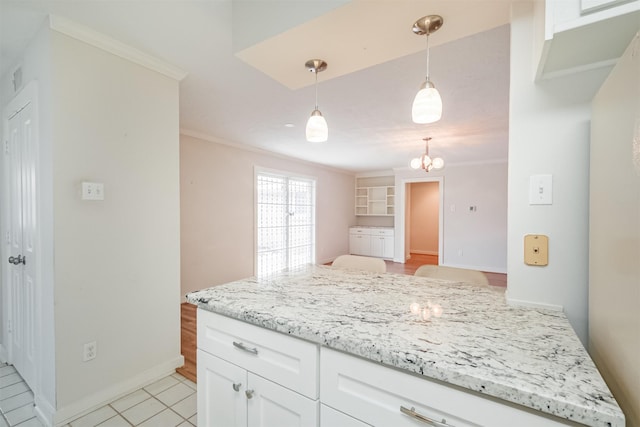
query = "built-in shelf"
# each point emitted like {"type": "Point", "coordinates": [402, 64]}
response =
{"type": "Point", "coordinates": [375, 196]}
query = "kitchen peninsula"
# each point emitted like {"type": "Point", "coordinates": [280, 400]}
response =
{"type": "Point", "coordinates": [457, 353]}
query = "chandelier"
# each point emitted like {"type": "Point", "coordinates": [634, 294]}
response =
{"type": "Point", "coordinates": [425, 162]}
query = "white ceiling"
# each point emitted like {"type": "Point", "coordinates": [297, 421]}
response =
{"type": "Point", "coordinates": [375, 66]}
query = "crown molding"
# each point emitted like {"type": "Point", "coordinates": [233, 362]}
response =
{"type": "Point", "coordinates": [111, 45]}
{"type": "Point", "coordinates": [246, 147]}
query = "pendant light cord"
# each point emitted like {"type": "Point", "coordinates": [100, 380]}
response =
{"type": "Point", "coordinates": [316, 73]}
{"type": "Point", "coordinates": [427, 56]}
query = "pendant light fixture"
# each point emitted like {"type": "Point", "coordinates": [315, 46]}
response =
{"type": "Point", "coordinates": [317, 129]}
{"type": "Point", "coordinates": [425, 162]}
{"type": "Point", "coordinates": [427, 105]}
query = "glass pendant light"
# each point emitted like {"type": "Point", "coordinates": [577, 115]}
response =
{"type": "Point", "coordinates": [317, 129]}
{"type": "Point", "coordinates": [427, 105]}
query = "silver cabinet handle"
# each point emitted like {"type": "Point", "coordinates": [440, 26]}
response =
{"type": "Point", "coordinates": [236, 386]}
{"type": "Point", "coordinates": [249, 393]}
{"type": "Point", "coordinates": [413, 414]}
{"type": "Point", "coordinates": [243, 347]}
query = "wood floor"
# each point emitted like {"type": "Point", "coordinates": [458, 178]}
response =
{"type": "Point", "coordinates": [189, 313]}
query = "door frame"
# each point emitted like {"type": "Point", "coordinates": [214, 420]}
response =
{"type": "Point", "coordinates": [400, 216]}
{"type": "Point", "coordinates": [27, 95]}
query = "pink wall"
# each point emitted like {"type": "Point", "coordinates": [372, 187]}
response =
{"type": "Point", "coordinates": [217, 210]}
{"type": "Point", "coordinates": [424, 206]}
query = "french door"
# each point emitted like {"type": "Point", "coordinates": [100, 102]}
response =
{"type": "Point", "coordinates": [285, 222]}
{"type": "Point", "coordinates": [20, 149]}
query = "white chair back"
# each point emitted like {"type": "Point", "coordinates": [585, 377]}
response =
{"type": "Point", "coordinates": [452, 273]}
{"type": "Point", "coordinates": [356, 262]}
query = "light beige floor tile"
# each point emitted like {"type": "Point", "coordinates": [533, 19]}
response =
{"type": "Point", "coordinates": [94, 418]}
{"type": "Point", "coordinates": [7, 370]}
{"type": "Point", "coordinates": [194, 420]}
{"type": "Point", "coordinates": [184, 424]}
{"type": "Point", "coordinates": [116, 421]}
{"type": "Point", "coordinates": [20, 414]}
{"type": "Point", "coordinates": [13, 390]}
{"type": "Point", "coordinates": [175, 394]}
{"type": "Point", "coordinates": [161, 385]}
{"type": "Point", "coordinates": [16, 401]}
{"type": "Point", "coordinates": [33, 422]}
{"type": "Point", "coordinates": [178, 376]}
{"type": "Point", "coordinates": [187, 407]}
{"type": "Point", "coordinates": [130, 400]}
{"type": "Point", "coordinates": [143, 411]}
{"type": "Point", "coordinates": [191, 384]}
{"type": "Point", "coordinates": [7, 380]}
{"type": "Point", "coordinates": [166, 418]}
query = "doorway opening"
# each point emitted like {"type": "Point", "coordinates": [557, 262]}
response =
{"type": "Point", "coordinates": [420, 220]}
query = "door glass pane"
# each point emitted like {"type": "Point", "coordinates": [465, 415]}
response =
{"type": "Point", "coordinates": [285, 222]}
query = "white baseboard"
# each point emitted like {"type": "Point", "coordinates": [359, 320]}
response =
{"type": "Point", "coordinates": [423, 252]}
{"type": "Point", "coordinates": [477, 267]}
{"type": "Point", "coordinates": [44, 411]}
{"type": "Point", "coordinates": [522, 303]}
{"type": "Point", "coordinates": [90, 403]}
{"type": "Point", "coordinates": [4, 356]}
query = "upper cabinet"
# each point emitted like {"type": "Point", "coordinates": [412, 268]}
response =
{"type": "Point", "coordinates": [583, 35]}
{"type": "Point", "coordinates": [375, 196]}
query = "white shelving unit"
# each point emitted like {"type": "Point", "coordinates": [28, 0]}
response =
{"type": "Point", "coordinates": [375, 196]}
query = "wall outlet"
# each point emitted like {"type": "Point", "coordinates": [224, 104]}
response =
{"type": "Point", "coordinates": [90, 351]}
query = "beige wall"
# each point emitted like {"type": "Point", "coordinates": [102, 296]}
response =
{"type": "Point", "coordinates": [424, 210]}
{"type": "Point", "coordinates": [117, 277]}
{"type": "Point", "coordinates": [217, 210]}
{"type": "Point", "coordinates": [614, 239]}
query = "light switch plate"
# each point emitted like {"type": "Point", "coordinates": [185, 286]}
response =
{"type": "Point", "coordinates": [92, 191]}
{"type": "Point", "coordinates": [541, 190]}
{"type": "Point", "coordinates": [536, 249]}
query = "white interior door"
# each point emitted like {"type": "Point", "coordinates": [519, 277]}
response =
{"type": "Point", "coordinates": [21, 161]}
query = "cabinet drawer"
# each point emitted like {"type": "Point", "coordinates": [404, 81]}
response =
{"type": "Point", "coordinates": [374, 394]}
{"type": "Point", "coordinates": [359, 230]}
{"type": "Point", "coordinates": [329, 417]}
{"type": "Point", "coordinates": [381, 232]}
{"type": "Point", "coordinates": [285, 360]}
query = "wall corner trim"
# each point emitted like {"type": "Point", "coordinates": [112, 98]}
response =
{"type": "Point", "coordinates": [111, 45]}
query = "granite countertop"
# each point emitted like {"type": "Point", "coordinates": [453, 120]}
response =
{"type": "Point", "coordinates": [454, 332]}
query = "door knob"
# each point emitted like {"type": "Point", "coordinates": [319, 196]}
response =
{"type": "Point", "coordinates": [18, 260]}
{"type": "Point", "coordinates": [236, 386]}
{"type": "Point", "coordinates": [249, 393]}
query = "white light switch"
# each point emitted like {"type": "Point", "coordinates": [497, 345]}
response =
{"type": "Point", "coordinates": [92, 191]}
{"type": "Point", "coordinates": [540, 190]}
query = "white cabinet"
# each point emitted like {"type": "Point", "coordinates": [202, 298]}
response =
{"type": "Point", "coordinates": [329, 417]}
{"type": "Point", "coordinates": [376, 242]}
{"type": "Point", "coordinates": [251, 376]}
{"type": "Point", "coordinates": [377, 395]}
{"type": "Point", "coordinates": [359, 241]}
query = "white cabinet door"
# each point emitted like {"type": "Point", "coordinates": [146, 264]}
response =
{"type": "Point", "coordinates": [221, 393]}
{"type": "Point", "coordinates": [272, 405]}
{"type": "Point", "coordinates": [387, 247]}
{"type": "Point", "coordinates": [382, 246]}
{"type": "Point", "coordinates": [360, 244]}
{"type": "Point", "coordinates": [377, 246]}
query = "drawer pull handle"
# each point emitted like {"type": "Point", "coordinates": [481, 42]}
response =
{"type": "Point", "coordinates": [236, 386]}
{"type": "Point", "coordinates": [243, 347]}
{"type": "Point", "coordinates": [249, 393]}
{"type": "Point", "coordinates": [413, 414]}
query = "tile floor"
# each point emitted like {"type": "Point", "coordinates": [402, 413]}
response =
{"type": "Point", "coordinates": [168, 402]}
